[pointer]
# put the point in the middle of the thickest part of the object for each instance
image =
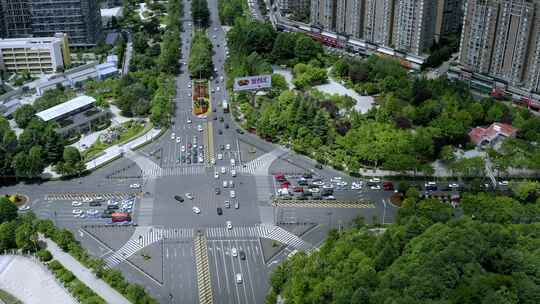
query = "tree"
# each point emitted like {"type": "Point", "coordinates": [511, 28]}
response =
{"type": "Point", "coordinates": [72, 163]}
{"type": "Point", "coordinates": [526, 191]}
{"type": "Point", "coordinates": [26, 237]}
{"type": "Point", "coordinates": [7, 235]}
{"type": "Point", "coordinates": [8, 210]}
{"type": "Point", "coordinates": [306, 48]}
{"type": "Point", "coordinates": [23, 115]}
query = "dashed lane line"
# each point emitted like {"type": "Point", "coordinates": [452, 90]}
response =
{"type": "Point", "coordinates": [204, 281]}
{"type": "Point", "coordinates": [323, 204]}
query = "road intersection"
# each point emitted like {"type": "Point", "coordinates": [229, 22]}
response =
{"type": "Point", "coordinates": [196, 250]}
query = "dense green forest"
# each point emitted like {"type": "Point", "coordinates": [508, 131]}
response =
{"type": "Point", "coordinates": [485, 252]}
{"type": "Point", "coordinates": [200, 58]}
{"type": "Point", "coordinates": [200, 13]}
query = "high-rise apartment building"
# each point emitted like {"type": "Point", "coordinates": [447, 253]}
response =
{"type": "Point", "coordinates": [379, 20]}
{"type": "Point", "coordinates": [323, 14]}
{"type": "Point", "coordinates": [414, 25]}
{"type": "Point", "coordinates": [449, 17]}
{"type": "Point", "coordinates": [79, 19]}
{"type": "Point", "coordinates": [289, 6]}
{"type": "Point", "coordinates": [501, 39]}
{"type": "Point", "coordinates": [350, 17]}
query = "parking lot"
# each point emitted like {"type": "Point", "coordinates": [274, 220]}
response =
{"type": "Point", "coordinates": [224, 268]}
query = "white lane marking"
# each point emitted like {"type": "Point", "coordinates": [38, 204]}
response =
{"type": "Point", "coordinates": [226, 272]}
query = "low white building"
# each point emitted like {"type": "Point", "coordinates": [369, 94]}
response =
{"type": "Point", "coordinates": [35, 55]}
{"type": "Point", "coordinates": [107, 15]}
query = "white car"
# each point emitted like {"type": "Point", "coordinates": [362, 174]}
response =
{"type": "Point", "coordinates": [76, 204]}
{"type": "Point", "coordinates": [234, 252]}
{"type": "Point", "coordinates": [229, 225]}
{"type": "Point", "coordinates": [87, 199]}
{"type": "Point", "coordinates": [214, 36]}
{"type": "Point", "coordinates": [77, 211]}
{"type": "Point", "coordinates": [453, 185]}
{"type": "Point", "coordinates": [196, 210]}
{"type": "Point", "coordinates": [173, 136]}
{"type": "Point", "coordinates": [213, 161]}
{"type": "Point", "coordinates": [238, 278]}
{"type": "Point", "coordinates": [231, 184]}
{"type": "Point", "coordinates": [189, 195]}
{"type": "Point", "coordinates": [189, 86]}
{"type": "Point", "coordinates": [227, 147]}
{"type": "Point", "coordinates": [92, 212]}
{"type": "Point", "coordinates": [314, 190]}
{"type": "Point", "coordinates": [82, 215]}
{"type": "Point", "coordinates": [24, 208]}
{"type": "Point", "coordinates": [225, 184]}
{"type": "Point", "coordinates": [189, 120]}
{"type": "Point", "coordinates": [220, 156]}
{"type": "Point", "coordinates": [233, 172]}
{"type": "Point", "coordinates": [112, 203]}
{"type": "Point", "coordinates": [318, 183]}
{"type": "Point", "coordinates": [199, 128]}
{"type": "Point", "coordinates": [503, 183]}
{"type": "Point", "coordinates": [233, 162]}
{"type": "Point", "coordinates": [135, 186]}
{"type": "Point", "coordinates": [341, 184]}
{"type": "Point", "coordinates": [232, 194]}
{"type": "Point", "coordinates": [223, 170]}
{"type": "Point", "coordinates": [201, 159]}
{"type": "Point", "coordinates": [215, 29]}
{"type": "Point", "coordinates": [356, 186]}
{"type": "Point", "coordinates": [183, 148]}
{"type": "Point", "coordinates": [217, 89]}
{"type": "Point", "coordinates": [336, 179]}
{"type": "Point", "coordinates": [375, 187]}
{"type": "Point", "coordinates": [375, 180]}
{"type": "Point", "coordinates": [178, 139]}
{"type": "Point", "coordinates": [216, 175]}
{"type": "Point", "coordinates": [327, 186]}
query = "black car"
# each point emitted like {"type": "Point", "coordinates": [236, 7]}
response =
{"type": "Point", "coordinates": [106, 215]}
{"type": "Point", "coordinates": [302, 182]}
{"type": "Point", "coordinates": [242, 255]}
{"type": "Point", "coordinates": [218, 191]}
{"type": "Point", "coordinates": [307, 175]}
{"type": "Point", "coordinates": [220, 132]}
{"type": "Point", "coordinates": [214, 110]}
{"type": "Point", "coordinates": [226, 126]}
{"type": "Point", "coordinates": [318, 166]}
{"type": "Point", "coordinates": [95, 204]}
{"type": "Point", "coordinates": [239, 131]}
{"type": "Point", "coordinates": [219, 211]}
{"type": "Point", "coordinates": [179, 198]}
{"type": "Point", "coordinates": [221, 119]}
{"type": "Point", "coordinates": [112, 207]}
{"type": "Point", "coordinates": [215, 118]}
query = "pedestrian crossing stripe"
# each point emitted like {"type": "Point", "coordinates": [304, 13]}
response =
{"type": "Point", "coordinates": [183, 170]}
{"type": "Point", "coordinates": [323, 204]}
{"type": "Point", "coordinates": [55, 196]}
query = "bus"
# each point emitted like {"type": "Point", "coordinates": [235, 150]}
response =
{"type": "Point", "coordinates": [225, 106]}
{"type": "Point", "coordinates": [119, 217]}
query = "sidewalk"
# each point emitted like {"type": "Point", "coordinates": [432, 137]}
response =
{"type": "Point", "coordinates": [84, 274]}
{"type": "Point", "coordinates": [116, 150]}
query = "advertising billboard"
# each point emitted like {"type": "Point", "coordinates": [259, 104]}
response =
{"type": "Point", "coordinates": [252, 83]}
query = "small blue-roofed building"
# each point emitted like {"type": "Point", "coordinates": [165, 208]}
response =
{"type": "Point", "coordinates": [106, 70]}
{"type": "Point", "coordinates": [78, 115]}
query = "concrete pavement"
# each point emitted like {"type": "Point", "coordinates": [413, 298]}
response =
{"type": "Point", "coordinates": [109, 294]}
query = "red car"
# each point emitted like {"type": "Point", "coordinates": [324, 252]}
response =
{"type": "Point", "coordinates": [280, 177]}
{"type": "Point", "coordinates": [298, 189]}
{"type": "Point", "coordinates": [388, 186]}
{"type": "Point", "coordinates": [285, 185]}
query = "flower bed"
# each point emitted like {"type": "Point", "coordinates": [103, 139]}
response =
{"type": "Point", "coordinates": [201, 98]}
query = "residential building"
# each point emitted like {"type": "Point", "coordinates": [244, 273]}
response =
{"type": "Point", "coordinates": [379, 21]}
{"type": "Point", "coordinates": [414, 25]}
{"type": "Point", "coordinates": [34, 55]}
{"type": "Point", "coordinates": [350, 17]}
{"type": "Point", "coordinates": [501, 41]}
{"type": "Point", "coordinates": [111, 3]}
{"type": "Point", "coordinates": [449, 18]}
{"type": "Point", "coordinates": [289, 6]}
{"type": "Point", "coordinates": [78, 115]}
{"type": "Point", "coordinates": [492, 135]}
{"type": "Point", "coordinates": [15, 19]}
{"type": "Point", "coordinates": [110, 14]}
{"type": "Point", "coordinates": [323, 14]}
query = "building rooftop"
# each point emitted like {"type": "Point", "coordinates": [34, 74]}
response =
{"type": "Point", "coordinates": [66, 107]}
{"type": "Point", "coordinates": [112, 12]}
{"type": "Point", "coordinates": [479, 135]}
{"type": "Point", "coordinates": [28, 42]}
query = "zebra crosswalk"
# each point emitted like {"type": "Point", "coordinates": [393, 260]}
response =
{"type": "Point", "coordinates": [149, 168]}
{"type": "Point", "coordinates": [59, 196]}
{"type": "Point", "coordinates": [260, 231]}
{"type": "Point", "coordinates": [323, 204]}
{"type": "Point", "coordinates": [183, 170]}
{"type": "Point", "coordinates": [140, 240]}
{"type": "Point", "coordinates": [261, 164]}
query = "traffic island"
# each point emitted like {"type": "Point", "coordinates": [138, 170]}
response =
{"type": "Point", "coordinates": [201, 98]}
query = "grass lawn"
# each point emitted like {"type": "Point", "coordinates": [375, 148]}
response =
{"type": "Point", "coordinates": [134, 131]}
{"type": "Point", "coordinates": [8, 298]}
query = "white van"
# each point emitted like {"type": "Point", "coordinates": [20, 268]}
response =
{"type": "Point", "coordinates": [238, 278]}
{"type": "Point", "coordinates": [233, 162]}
